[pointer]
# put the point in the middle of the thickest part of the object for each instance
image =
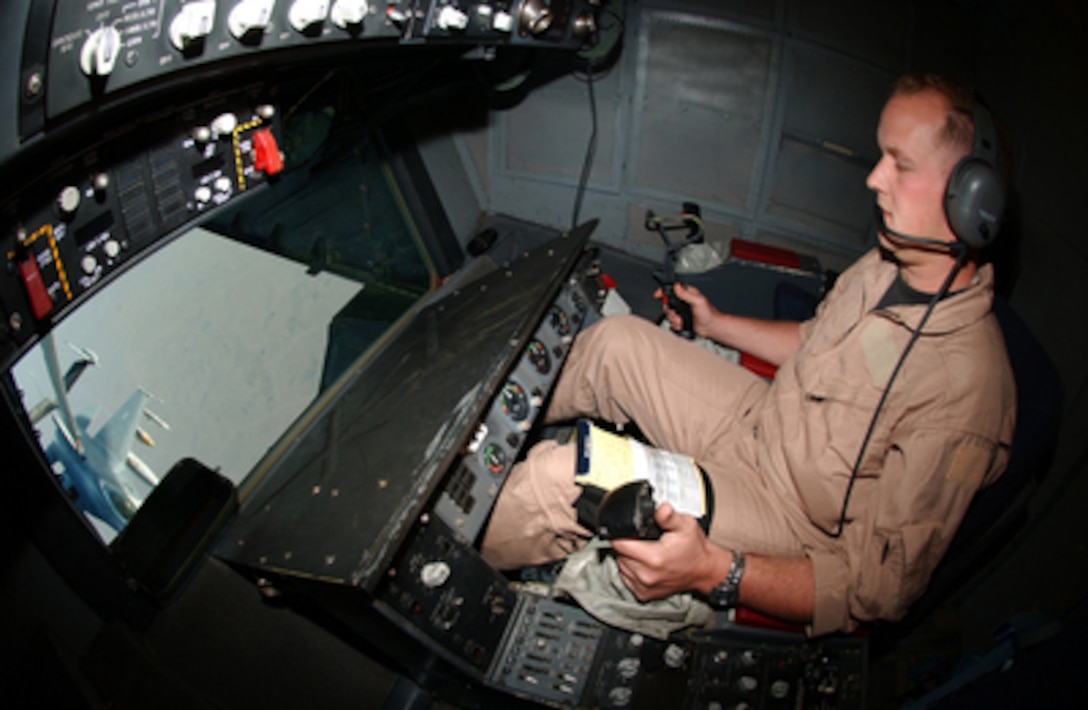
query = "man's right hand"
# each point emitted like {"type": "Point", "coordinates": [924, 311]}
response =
{"type": "Point", "coordinates": [703, 313]}
{"type": "Point", "coordinates": [681, 560]}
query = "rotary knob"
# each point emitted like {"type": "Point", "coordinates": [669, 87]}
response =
{"type": "Point", "coordinates": [675, 655]}
{"type": "Point", "coordinates": [250, 17]}
{"type": "Point", "coordinates": [305, 15]}
{"type": "Point", "coordinates": [348, 13]}
{"type": "Point", "coordinates": [502, 22]}
{"type": "Point", "coordinates": [628, 667]}
{"type": "Point", "coordinates": [224, 124]}
{"type": "Point", "coordinates": [99, 53]}
{"type": "Point", "coordinates": [192, 24]}
{"type": "Point", "coordinates": [68, 200]}
{"type": "Point", "coordinates": [535, 18]}
{"type": "Point", "coordinates": [584, 25]}
{"type": "Point", "coordinates": [747, 683]}
{"type": "Point", "coordinates": [450, 18]}
{"type": "Point", "coordinates": [434, 574]}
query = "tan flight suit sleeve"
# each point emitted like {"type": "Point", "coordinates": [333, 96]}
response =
{"type": "Point", "coordinates": [904, 528]}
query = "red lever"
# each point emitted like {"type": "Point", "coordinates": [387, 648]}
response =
{"type": "Point", "coordinates": [40, 302]}
{"type": "Point", "coordinates": [266, 154]}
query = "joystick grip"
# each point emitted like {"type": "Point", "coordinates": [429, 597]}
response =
{"type": "Point", "coordinates": [682, 308]}
{"type": "Point", "coordinates": [628, 511]}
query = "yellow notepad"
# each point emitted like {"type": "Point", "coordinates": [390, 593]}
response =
{"type": "Point", "coordinates": [608, 460]}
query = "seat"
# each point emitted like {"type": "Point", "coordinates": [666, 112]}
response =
{"type": "Point", "coordinates": [998, 511]}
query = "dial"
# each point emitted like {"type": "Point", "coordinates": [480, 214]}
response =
{"type": "Point", "coordinates": [538, 355]}
{"type": "Point", "coordinates": [559, 321]}
{"type": "Point", "coordinates": [515, 402]}
{"type": "Point", "coordinates": [494, 458]}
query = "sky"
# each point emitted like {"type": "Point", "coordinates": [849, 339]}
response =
{"type": "Point", "coordinates": [229, 340]}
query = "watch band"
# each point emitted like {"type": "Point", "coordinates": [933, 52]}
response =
{"type": "Point", "coordinates": [727, 592]}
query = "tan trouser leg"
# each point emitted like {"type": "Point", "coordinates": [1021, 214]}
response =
{"type": "Point", "coordinates": [684, 398]}
{"type": "Point", "coordinates": [534, 521]}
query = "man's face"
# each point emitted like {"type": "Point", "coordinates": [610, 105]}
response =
{"type": "Point", "coordinates": [911, 176]}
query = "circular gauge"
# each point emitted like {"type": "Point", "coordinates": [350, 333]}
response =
{"type": "Point", "coordinates": [515, 403]}
{"type": "Point", "coordinates": [538, 355]}
{"type": "Point", "coordinates": [494, 458]}
{"type": "Point", "coordinates": [578, 300]}
{"type": "Point", "coordinates": [559, 320]}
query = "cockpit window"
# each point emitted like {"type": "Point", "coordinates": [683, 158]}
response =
{"type": "Point", "coordinates": [214, 344]}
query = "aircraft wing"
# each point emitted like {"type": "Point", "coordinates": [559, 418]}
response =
{"type": "Point", "coordinates": [45, 407]}
{"type": "Point", "coordinates": [117, 434]}
{"type": "Point", "coordinates": [41, 410]}
{"type": "Point", "coordinates": [75, 371]}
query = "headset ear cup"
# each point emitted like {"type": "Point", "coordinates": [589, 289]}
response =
{"type": "Point", "coordinates": [974, 202]}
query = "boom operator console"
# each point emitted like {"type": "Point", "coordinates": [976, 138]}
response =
{"type": "Point", "coordinates": [133, 121]}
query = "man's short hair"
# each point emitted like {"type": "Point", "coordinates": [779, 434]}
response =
{"type": "Point", "coordinates": [959, 127]}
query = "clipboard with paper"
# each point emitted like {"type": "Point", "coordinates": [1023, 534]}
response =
{"type": "Point", "coordinates": [608, 461]}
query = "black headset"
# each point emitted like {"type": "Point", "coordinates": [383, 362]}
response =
{"type": "Point", "coordinates": [974, 200]}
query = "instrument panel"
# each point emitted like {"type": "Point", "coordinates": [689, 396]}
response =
{"type": "Point", "coordinates": [68, 233]}
{"type": "Point", "coordinates": [94, 48]}
{"type": "Point", "coordinates": [467, 500]}
{"type": "Point", "coordinates": [132, 117]}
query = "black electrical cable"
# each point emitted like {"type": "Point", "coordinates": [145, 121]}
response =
{"type": "Point", "coordinates": [961, 257]}
{"type": "Point", "coordinates": [591, 148]}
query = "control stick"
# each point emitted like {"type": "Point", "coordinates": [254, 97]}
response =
{"type": "Point", "coordinates": [667, 275]}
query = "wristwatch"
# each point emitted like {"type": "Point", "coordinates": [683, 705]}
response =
{"type": "Point", "coordinates": [725, 594]}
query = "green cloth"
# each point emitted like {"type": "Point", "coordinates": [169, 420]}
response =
{"type": "Point", "coordinates": [592, 577]}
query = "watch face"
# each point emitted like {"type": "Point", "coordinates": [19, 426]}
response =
{"type": "Point", "coordinates": [723, 595]}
